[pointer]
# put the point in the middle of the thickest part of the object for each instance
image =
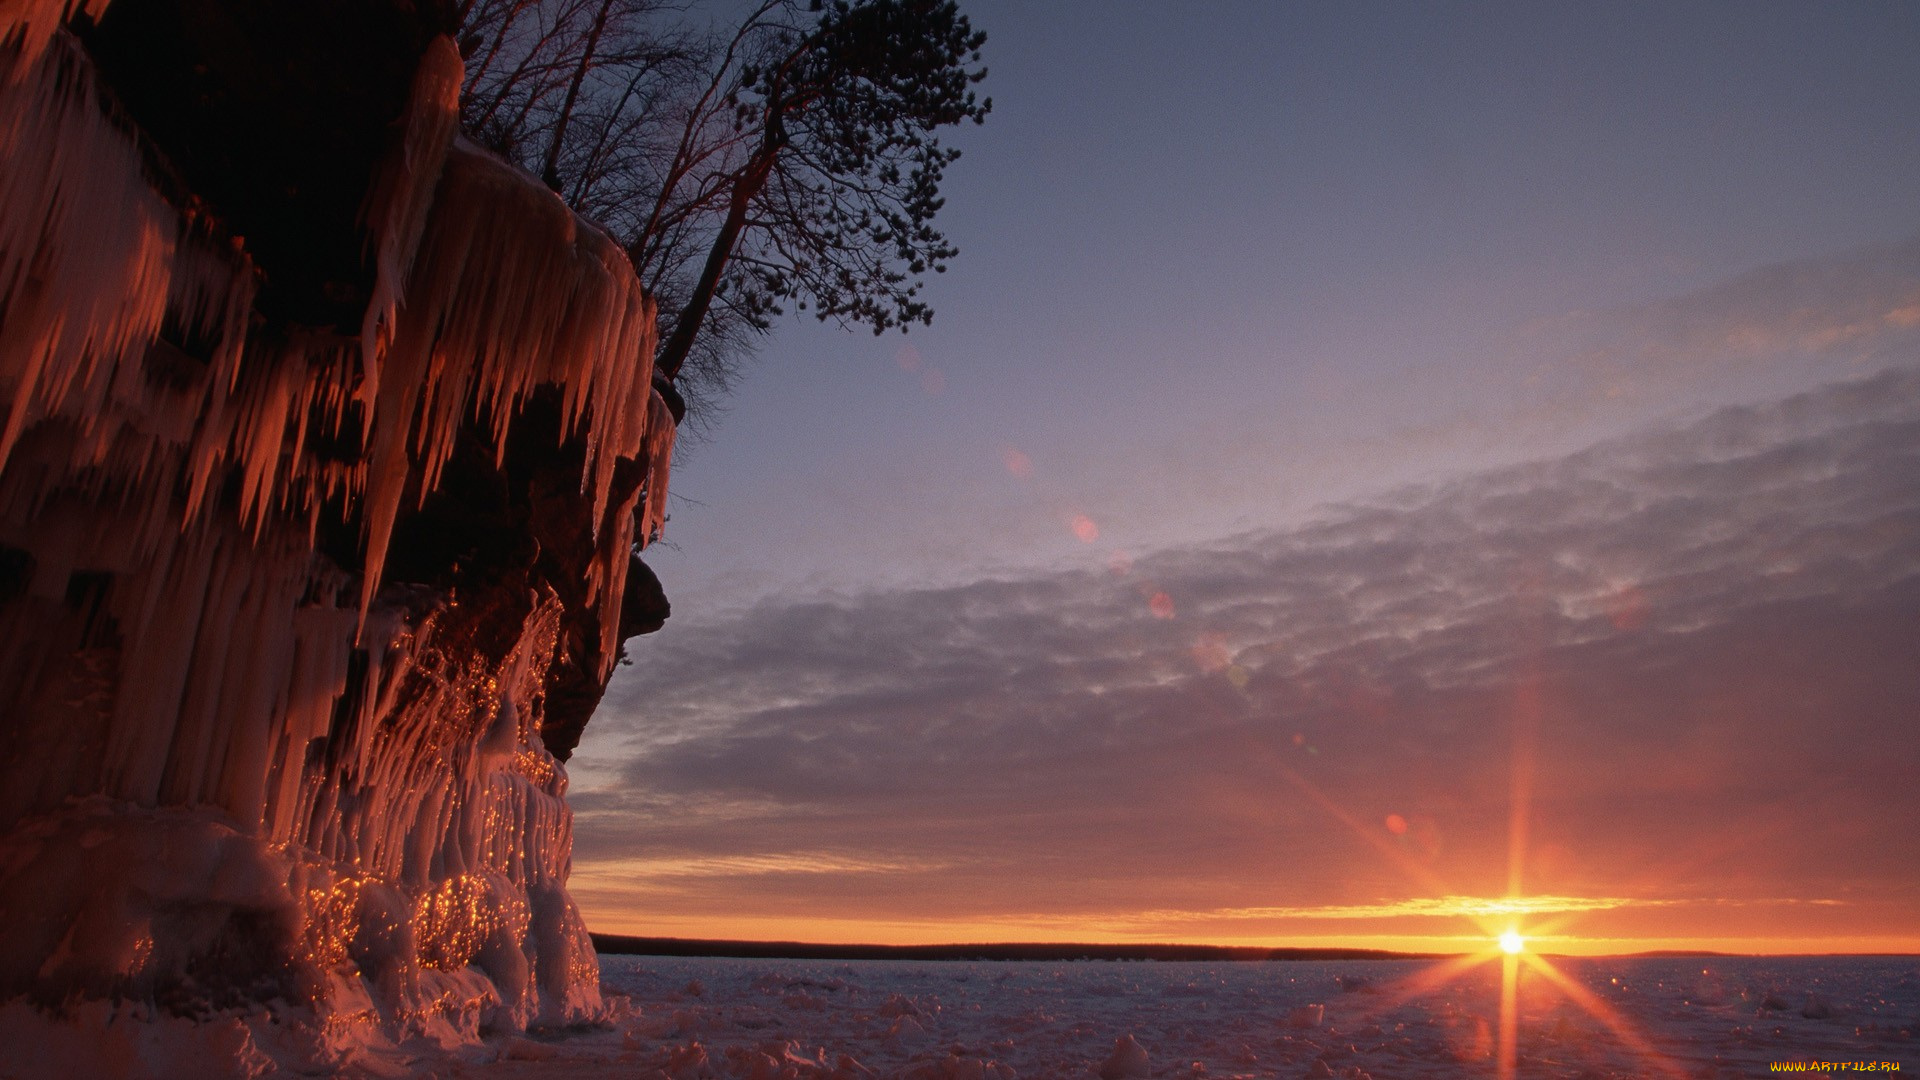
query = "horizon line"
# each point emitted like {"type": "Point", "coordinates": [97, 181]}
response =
{"type": "Point", "coordinates": [726, 948]}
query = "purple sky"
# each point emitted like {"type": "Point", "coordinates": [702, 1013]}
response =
{"type": "Point", "coordinates": [1324, 403]}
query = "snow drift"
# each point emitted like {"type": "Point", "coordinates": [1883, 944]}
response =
{"type": "Point", "coordinates": [275, 734]}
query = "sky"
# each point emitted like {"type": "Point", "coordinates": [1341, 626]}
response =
{"type": "Point", "coordinates": [1377, 474]}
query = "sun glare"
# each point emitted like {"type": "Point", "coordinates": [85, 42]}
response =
{"type": "Point", "coordinates": [1511, 942]}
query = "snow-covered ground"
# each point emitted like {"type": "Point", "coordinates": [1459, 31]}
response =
{"type": "Point", "coordinates": [761, 1019]}
{"type": "Point", "coordinates": [722, 1019]}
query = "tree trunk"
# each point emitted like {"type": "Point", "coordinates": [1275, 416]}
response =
{"type": "Point", "coordinates": [751, 179]}
{"type": "Point", "coordinates": [550, 169]}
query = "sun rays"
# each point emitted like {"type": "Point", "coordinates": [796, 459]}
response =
{"type": "Point", "coordinates": [1512, 924]}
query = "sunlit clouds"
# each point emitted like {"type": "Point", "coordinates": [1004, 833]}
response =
{"type": "Point", "coordinates": [1309, 734]}
{"type": "Point", "coordinates": [645, 870]}
{"type": "Point", "coordinates": [1473, 907]}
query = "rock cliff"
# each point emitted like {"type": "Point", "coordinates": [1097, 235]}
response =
{"type": "Point", "coordinates": [329, 444]}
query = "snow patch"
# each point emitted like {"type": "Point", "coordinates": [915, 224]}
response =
{"type": "Point", "coordinates": [1127, 1062]}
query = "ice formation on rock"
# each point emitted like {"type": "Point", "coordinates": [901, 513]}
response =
{"type": "Point", "coordinates": [248, 761]}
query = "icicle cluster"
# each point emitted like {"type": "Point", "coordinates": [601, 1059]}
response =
{"type": "Point", "coordinates": [28, 25]}
{"type": "Point", "coordinates": [356, 781]}
{"type": "Point", "coordinates": [511, 292]}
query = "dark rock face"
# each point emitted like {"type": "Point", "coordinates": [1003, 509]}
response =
{"type": "Point", "coordinates": [495, 534]}
{"type": "Point", "coordinates": [274, 114]}
{"type": "Point", "coordinates": [313, 566]}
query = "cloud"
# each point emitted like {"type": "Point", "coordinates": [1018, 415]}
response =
{"type": "Point", "coordinates": [1854, 311]}
{"type": "Point", "coordinates": [645, 872]}
{"type": "Point", "coordinates": [1444, 907]}
{"type": "Point", "coordinates": [1698, 645]}
{"type": "Point", "coordinates": [1457, 907]}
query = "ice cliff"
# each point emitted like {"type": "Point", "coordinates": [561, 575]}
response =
{"type": "Point", "coordinates": [327, 445]}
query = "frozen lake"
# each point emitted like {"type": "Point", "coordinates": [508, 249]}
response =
{"type": "Point", "coordinates": [1692, 1017]}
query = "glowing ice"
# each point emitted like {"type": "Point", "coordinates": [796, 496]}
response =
{"type": "Point", "coordinates": [256, 771]}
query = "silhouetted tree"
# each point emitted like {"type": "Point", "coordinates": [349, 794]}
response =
{"type": "Point", "coordinates": [793, 159]}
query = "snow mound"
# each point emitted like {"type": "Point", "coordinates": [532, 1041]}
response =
{"type": "Point", "coordinates": [1127, 1062]}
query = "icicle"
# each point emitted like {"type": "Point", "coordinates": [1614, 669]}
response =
{"type": "Point", "coordinates": [27, 25]}
{"type": "Point", "coordinates": [86, 247]}
{"type": "Point", "coordinates": [659, 456]}
{"type": "Point", "coordinates": [636, 523]}
{"type": "Point", "coordinates": [509, 291]}
{"type": "Point", "coordinates": [397, 208]}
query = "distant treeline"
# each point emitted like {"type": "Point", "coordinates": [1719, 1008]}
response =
{"type": "Point", "coordinates": [796, 950]}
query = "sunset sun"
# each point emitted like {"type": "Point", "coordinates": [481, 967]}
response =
{"type": "Point", "coordinates": [1512, 943]}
